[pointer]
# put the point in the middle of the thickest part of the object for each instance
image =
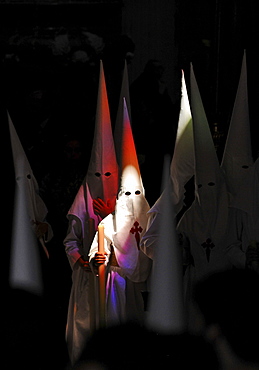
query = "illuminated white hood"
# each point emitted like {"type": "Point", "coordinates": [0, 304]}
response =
{"type": "Point", "coordinates": [210, 208]}
{"type": "Point", "coordinates": [101, 179]}
{"type": "Point", "coordinates": [131, 191]}
{"type": "Point", "coordinates": [182, 164]}
{"type": "Point", "coordinates": [131, 209]}
{"type": "Point", "coordinates": [102, 174]}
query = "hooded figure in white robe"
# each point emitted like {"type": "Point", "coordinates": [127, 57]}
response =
{"type": "Point", "coordinates": [123, 229]}
{"type": "Point", "coordinates": [95, 199]}
{"type": "Point", "coordinates": [237, 157]}
{"type": "Point", "coordinates": [203, 227]}
{"type": "Point", "coordinates": [30, 213]}
{"type": "Point", "coordinates": [241, 176]}
{"type": "Point", "coordinates": [181, 170]}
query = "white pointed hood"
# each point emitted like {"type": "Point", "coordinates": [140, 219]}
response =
{"type": "Point", "coordinates": [36, 207]}
{"type": "Point", "coordinates": [102, 174]}
{"type": "Point", "coordinates": [129, 166]}
{"type": "Point", "coordinates": [124, 93]}
{"type": "Point", "coordinates": [165, 314]}
{"type": "Point", "coordinates": [131, 207]}
{"type": "Point", "coordinates": [101, 180]}
{"type": "Point", "coordinates": [237, 157]}
{"type": "Point", "coordinates": [25, 267]}
{"type": "Point", "coordinates": [182, 164]}
{"type": "Point", "coordinates": [210, 207]}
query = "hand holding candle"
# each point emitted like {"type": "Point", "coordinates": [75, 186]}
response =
{"type": "Point", "coordinates": [101, 238]}
{"type": "Point", "coordinates": [100, 255]}
{"type": "Point", "coordinates": [100, 259]}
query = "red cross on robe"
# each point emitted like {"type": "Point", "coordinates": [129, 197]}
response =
{"type": "Point", "coordinates": [136, 229]}
{"type": "Point", "coordinates": [208, 245]}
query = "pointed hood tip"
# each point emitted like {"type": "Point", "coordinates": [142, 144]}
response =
{"type": "Point", "coordinates": [130, 170]}
{"type": "Point", "coordinates": [103, 156]}
{"type": "Point", "coordinates": [207, 167]}
{"type": "Point", "coordinates": [238, 146]}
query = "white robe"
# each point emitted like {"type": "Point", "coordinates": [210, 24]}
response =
{"type": "Point", "coordinates": [81, 308]}
{"type": "Point", "coordinates": [197, 225]}
{"type": "Point", "coordinates": [242, 229]}
{"type": "Point", "coordinates": [193, 243]}
{"type": "Point", "coordinates": [124, 282]}
{"type": "Point", "coordinates": [81, 320]}
{"type": "Point", "coordinates": [244, 221]}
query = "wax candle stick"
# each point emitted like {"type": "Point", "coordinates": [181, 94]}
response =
{"type": "Point", "coordinates": [101, 238]}
{"type": "Point", "coordinates": [101, 274]}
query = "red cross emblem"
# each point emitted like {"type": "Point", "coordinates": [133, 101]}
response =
{"type": "Point", "coordinates": [208, 245]}
{"type": "Point", "coordinates": [136, 229]}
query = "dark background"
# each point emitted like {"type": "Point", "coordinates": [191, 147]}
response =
{"type": "Point", "coordinates": [50, 88]}
{"type": "Point", "coordinates": [210, 34]}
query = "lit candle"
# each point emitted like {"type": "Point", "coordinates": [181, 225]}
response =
{"type": "Point", "coordinates": [101, 274]}
{"type": "Point", "coordinates": [101, 238]}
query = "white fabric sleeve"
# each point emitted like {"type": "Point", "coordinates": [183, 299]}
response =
{"type": "Point", "coordinates": [73, 241]}
{"type": "Point", "coordinates": [148, 241]}
{"type": "Point", "coordinates": [94, 247]}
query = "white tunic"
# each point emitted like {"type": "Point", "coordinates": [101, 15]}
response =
{"type": "Point", "coordinates": [81, 309]}
{"type": "Point", "coordinates": [125, 281]}
{"type": "Point", "coordinates": [244, 221]}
